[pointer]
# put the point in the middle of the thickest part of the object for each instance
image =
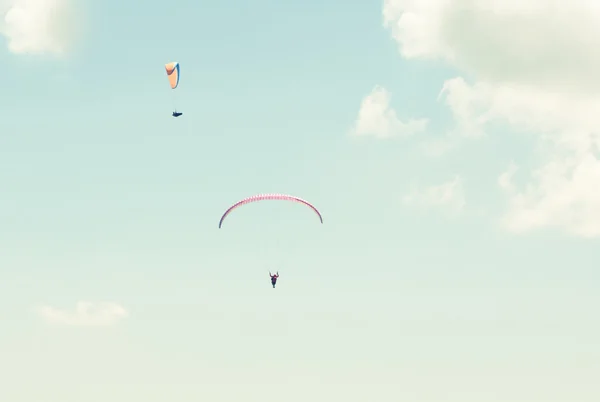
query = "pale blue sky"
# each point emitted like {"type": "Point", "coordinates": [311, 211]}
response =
{"type": "Point", "coordinates": [106, 197]}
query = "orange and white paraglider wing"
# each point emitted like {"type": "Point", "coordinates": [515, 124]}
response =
{"type": "Point", "coordinates": [173, 73]}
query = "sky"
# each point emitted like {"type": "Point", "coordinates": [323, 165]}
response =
{"type": "Point", "coordinates": [452, 147]}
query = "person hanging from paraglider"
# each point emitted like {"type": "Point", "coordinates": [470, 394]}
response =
{"type": "Point", "coordinates": [274, 278]}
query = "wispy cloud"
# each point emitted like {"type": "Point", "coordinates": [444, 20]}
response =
{"type": "Point", "coordinates": [40, 26]}
{"type": "Point", "coordinates": [448, 196]}
{"type": "Point", "coordinates": [505, 180]}
{"type": "Point", "coordinates": [377, 118]}
{"type": "Point", "coordinates": [85, 314]}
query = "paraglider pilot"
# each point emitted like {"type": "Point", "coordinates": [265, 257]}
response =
{"type": "Point", "coordinates": [274, 278]}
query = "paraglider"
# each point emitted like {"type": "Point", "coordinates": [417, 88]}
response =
{"type": "Point", "coordinates": [262, 197]}
{"type": "Point", "coordinates": [274, 278]}
{"type": "Point", "coordinates": [173, 75]}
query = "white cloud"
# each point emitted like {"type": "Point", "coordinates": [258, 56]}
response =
{"type": "Point", "coordinates": [85, 314]}
{"type": "Point", "coordinates": [377, 118]}
{"type": "Point", "coordinates": [505, 179]}
{"type": "Point", "coordinates": [448, 196]}
{"type": "Point", "coordinates": [564, 193]}
{"type": "Point", "coordinates": [535, 41]}
{"type": "Point", "coordinates": [40, 26]}
{"type": "Point", "coordinates": [534, 65]}
{"type": "Point", "coordinates": [563, 115]}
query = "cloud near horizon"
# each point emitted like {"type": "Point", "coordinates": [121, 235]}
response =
{"type": "Point", "coordinates": [88, 314]}
{"type": "Point", "coordinates": [40, 26]}
{"type": "Point", "coordinates": [542, 82]}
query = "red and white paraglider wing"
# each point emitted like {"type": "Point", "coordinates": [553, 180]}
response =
{"type": "Point", "coordinates": [263, 197]}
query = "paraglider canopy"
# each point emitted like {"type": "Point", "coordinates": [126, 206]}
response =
{"type": "Point", "coordinates": [173, 73]}
{"type": "Point", "coordinates": [262, 197]}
